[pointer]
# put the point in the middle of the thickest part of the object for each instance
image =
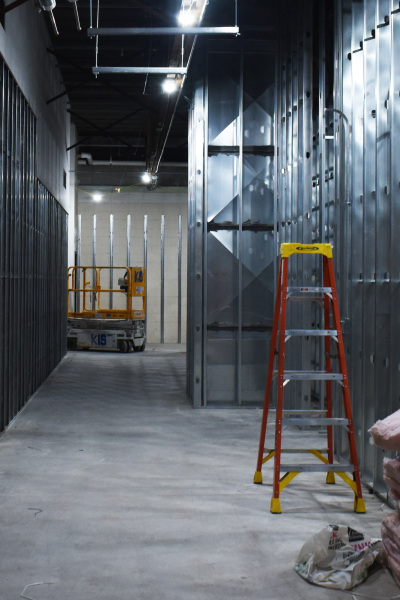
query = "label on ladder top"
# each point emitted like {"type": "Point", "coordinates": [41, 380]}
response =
{"type": "Point", "coordinates": [289, 249]}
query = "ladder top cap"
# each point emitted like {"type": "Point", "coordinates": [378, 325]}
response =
{"type": "Point", "coordinates": [289, 249]}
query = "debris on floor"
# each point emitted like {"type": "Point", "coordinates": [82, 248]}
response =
{"type": "Point", "coordinates": [33, 585]}
{"type": "Point", "coordinates": [337, 557]}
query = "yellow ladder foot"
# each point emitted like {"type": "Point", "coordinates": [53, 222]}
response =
{"type": "Point", "coordinates": [330, 478]}
{"type": "Point", "coordinates": [257, 477]}
{"type": "Point", "coordinates": [276, 506]}
{"type": "Point", "coordinates": [359, 505]}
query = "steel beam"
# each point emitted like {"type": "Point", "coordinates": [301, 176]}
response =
{"type": "Point", "coordinates": [162, 31]}
{"type": "Point", "coordinates": [78, 264]}
{"type": "Point", "coordinates": [102, 82]}
{"type": "Point", "coordinates": [128, 241]}
{"type": "Point", "coordinates": [111, 258]}
{"type": "Point", "coordinates": [162, 276]}
{"type": "Point", "coordinates": [180, 279]}
{"type": "Point", "coordinates": [145, 231]}
{"type": "Point", "coordinates": [11, 6]}
{"type": "Point", "coordinates": [149, 10]}
{"type": "Point", "coordinates": [94, 261]}
{"type": "Point", "coordinates": [104, 129]}
{"type": "Point", "coordinates": [90, 79]}
{"type": "Point", "coordinates": [101, 129]}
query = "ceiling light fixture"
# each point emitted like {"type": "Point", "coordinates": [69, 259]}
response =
{"type": "Point", "coordinates": [169, 86]}
{"type": "Point", "coordinates": [97, 197]}
{"type": "Point", "coordinates": [186, 18]}
{"type": "Point", "coordinates": [146, 178]}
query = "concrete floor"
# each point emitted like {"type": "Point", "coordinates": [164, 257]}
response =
{"type": "Point", "coordinates": [113, 488]}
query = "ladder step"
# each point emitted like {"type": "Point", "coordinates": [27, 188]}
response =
{"type": "Point", "coordinates": [345, 468]}
{"type": "Point", "coordinates": [296, 450]}
{"type": "Point", "coordinates": [307, 413]}
{"type": "Point", "coordinates": [321, 421]}
{"type": "Point", "coordinates": [306, 298]}
{"type": "Point", "coordinates": [317, 332]}
{"type": "Point", "coordinates": [314, 375]}
{"type": "Point", "coordinates": [307, 290]}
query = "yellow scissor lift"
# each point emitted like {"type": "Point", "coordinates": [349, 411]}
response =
{"type": "Point", "coordinates": [91, 325]}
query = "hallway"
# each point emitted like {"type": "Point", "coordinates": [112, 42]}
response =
{"type": "Point", "coordinates": [113, 488]}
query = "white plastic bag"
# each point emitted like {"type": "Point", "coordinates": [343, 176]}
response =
{"type": "Point", "coordinates": [337, 557]}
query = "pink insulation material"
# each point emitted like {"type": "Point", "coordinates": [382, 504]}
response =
{"type": "Point", "coordinates": [391, 529]}
{"type": "Point", "coordinates": [390, 554]}
{"type": "Point", "coordinates": [386, 433]}
{"type": "Point", "coordinates": [391, 472]}
{"type": "Point", "coordinates": [393, 487]}
{"type": "Point", "coordinates": [394, 567]}
{"type": "Point", "coordinates": [391, 468]}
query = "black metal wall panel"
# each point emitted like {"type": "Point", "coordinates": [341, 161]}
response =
{"type": "Point", "coordinates": [33, 260]}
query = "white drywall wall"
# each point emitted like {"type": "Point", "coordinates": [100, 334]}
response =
{"type": "Point", "coordinates": [153, 204]}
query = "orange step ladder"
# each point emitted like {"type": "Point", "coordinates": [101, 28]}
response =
{"type": "Point", "coordinates": [327, 296]}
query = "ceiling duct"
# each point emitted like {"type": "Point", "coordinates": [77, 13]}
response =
{"type": "Point", "coordinates": [85, 158]}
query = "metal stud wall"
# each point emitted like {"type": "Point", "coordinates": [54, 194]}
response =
{"type": "Point", "coordinates": [33, 260]}
{"type": "Point", "coordinates": [368, 92]}
{"type": "Point", "coordinates": [335, 178]}
{"type": "Point", "coordinates": [338, 181]}
{"type": "Point", "coordinates": [232, 218]}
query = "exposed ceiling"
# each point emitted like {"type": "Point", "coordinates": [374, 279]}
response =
{"type": "Point", "coordinates": [127, 117]}
{"type": "Point", "coordinates": [123, 117]}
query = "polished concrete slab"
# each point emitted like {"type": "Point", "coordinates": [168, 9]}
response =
{"type": "Point", "coordinates": [113, 488]}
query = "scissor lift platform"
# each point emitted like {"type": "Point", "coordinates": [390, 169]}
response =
{"type": "Point", "coordinates": [95, 327]}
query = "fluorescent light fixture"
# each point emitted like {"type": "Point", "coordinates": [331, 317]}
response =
{"type": "Point", "coordinates": [146, 178]}
{"type": "Point", "coordinates": [169, 86]}
{"type": "Point", "coordinates": [97, 197]}
{"type": "Point", "coordinates": [186, 18]}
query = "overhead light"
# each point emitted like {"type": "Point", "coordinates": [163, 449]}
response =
{"type": "Point", "coordinates": [169, 86]}
{"type": "Point", "coordinates": [186, 18]}
{"type": "Point", "coordinates": [146, 178]}
{"type": "Point", "coordinates": [97, 197]}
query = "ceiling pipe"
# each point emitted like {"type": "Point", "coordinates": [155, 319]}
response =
{"type": "Point", "coordinates": [75, 6]}
{"type": "Point", "coordinates": [142, 70]}
{"type": "Point", "coordinates": [161, 143]}
{"type": "Point", "coordinates": [161, 30]}
{"type": "Point", "coordinates": [85, 158]}
{"type": "Point", "coordinates": [48, 6]}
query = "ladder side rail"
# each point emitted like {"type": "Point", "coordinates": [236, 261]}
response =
{"type": "Point", "coordinates": [330, 478]}
{"type": "Point", "coordinates": [275, 503]}
{"type": "Point", "coordinates": [345, 389]}
{"type": "Point", "coordinates": [268, 386]}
